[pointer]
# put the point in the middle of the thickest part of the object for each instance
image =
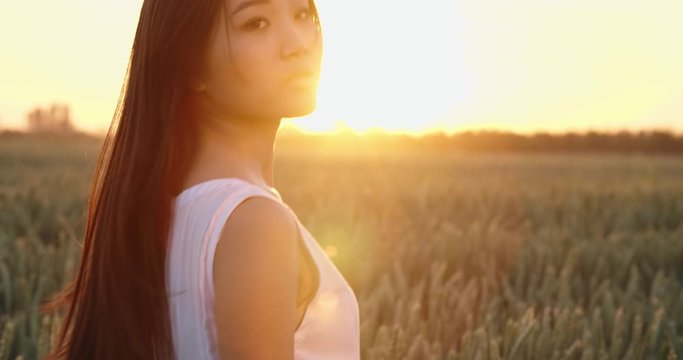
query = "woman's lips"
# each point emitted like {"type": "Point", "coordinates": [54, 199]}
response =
{"type": "Point", "coordinates": [302, 78]}
{"type": "Point", "coordinates": [301, 73]}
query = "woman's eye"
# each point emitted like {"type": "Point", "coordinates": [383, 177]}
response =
{"type": "Point", "coordinates": [258, 23]}
{"type": "Point", "coordinates": [306, 14]}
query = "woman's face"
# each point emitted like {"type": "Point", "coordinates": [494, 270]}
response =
{"type": "Point", "coordinates": [259, 45]}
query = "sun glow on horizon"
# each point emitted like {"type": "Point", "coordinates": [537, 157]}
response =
{"type": "Point", "coordinates": [396, 67]}
{"type": "Point", "coordinates": [525, 67]}
{"type": "Point", "coordinates": [399, 76]}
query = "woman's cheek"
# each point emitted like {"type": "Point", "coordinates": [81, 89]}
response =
{"type": "Point", "coordinates": [251, 61]}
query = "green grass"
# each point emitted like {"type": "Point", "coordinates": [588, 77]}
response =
{"type": "Point", "coordinates": [451, 256]}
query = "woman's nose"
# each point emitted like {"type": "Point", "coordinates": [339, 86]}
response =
{"type": "Point", "coordinates": [297, 39]}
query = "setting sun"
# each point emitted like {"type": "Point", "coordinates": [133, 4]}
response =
{"type": "Point", "coordinates": [388, 66]}
{"type": "Point", "coordinates": [521, 66]}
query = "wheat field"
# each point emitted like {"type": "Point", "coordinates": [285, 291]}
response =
{"type": "Point", "coordinates": [451, 256]}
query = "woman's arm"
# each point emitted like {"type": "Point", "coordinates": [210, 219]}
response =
{"type": "Point", "coordinates": [255, 274]}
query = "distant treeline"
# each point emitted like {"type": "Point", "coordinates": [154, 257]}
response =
{"type": "Point", "coordinates": [649, 142]}
{"type": "Point", "coordinates": [664, 142]}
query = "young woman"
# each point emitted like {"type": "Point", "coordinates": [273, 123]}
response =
{"type": "Point", "coordinates": [190, 251]}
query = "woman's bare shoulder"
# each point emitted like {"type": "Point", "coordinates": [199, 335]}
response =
{"type": "Point", "coordinates": [256, 274]}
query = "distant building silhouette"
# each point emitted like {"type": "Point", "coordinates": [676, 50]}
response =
{"type": "Point", "coordinates": [56, 119]}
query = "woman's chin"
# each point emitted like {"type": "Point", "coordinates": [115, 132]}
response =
{"type": "Point", "coordinates": [300, 108]}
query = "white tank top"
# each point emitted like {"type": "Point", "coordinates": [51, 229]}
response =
{"type": "Point", "coordinates": [330, 327]}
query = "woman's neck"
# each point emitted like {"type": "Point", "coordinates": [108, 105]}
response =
{"type": "Point", "coordinates": [242, 149]}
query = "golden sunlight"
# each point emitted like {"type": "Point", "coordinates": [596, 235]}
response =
{"type": "Point", "coordinates": [387, 65]}
{"type": "Point", "coordinates": [406, 67]}
{"type": "Point", "coordinates": [522, 66]}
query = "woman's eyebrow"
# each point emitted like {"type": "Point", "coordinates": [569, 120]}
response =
{"type": "Point", "coordinates": [246, 4]}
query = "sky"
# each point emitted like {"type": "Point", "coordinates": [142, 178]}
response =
{"type": "Point", "coordinates": [398, 66]}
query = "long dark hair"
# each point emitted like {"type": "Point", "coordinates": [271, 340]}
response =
{"type": "Point", "coordinates": [117, 302]}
